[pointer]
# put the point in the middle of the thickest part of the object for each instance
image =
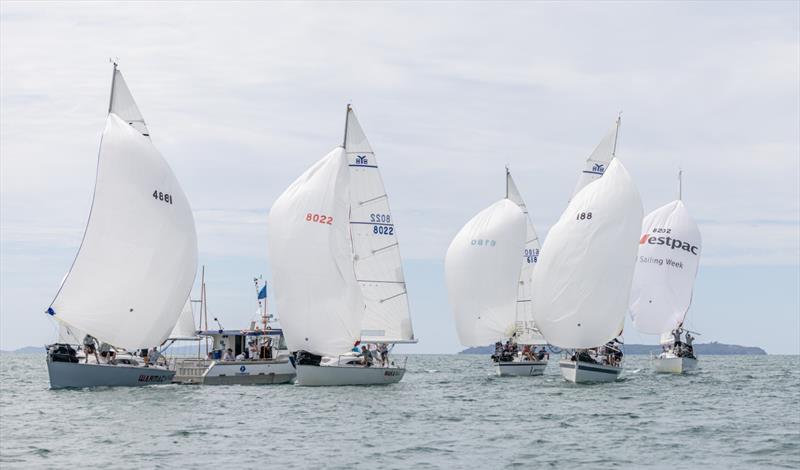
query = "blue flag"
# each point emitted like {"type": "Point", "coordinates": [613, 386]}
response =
{"type": "Point", "coordinates": [263, 293]}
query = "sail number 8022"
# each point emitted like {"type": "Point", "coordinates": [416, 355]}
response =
{"type": "Point", "coordinates": [583, 216]}
{"type": "Point", "coordinates": [319, 218]}
{"type": "Point", "coordinates": [162, 196]}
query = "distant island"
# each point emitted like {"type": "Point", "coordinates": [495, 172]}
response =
{"type": "Point", "coordinates": [710, 349]}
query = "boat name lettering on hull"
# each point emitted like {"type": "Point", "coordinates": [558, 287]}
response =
{"type": "Point", "coordinates": [391, 373]}
{"type": "Point", "coordinates": [152, 378]}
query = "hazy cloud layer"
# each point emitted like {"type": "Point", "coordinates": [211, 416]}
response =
{"type": "Point", "coordinates": [241, 98]}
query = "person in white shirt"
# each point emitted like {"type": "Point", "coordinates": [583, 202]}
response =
{"type": "Point", "coordinates": [228, 356]}
{"type": "Point", "coordinates": [240, 357]}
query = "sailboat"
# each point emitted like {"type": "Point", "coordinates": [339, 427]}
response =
{"type": "Point", "coordinates": [669, 256]}
{"type": "Point", "coordinates": [582, 281]}
{"type": "Point", "coordinates": [136, 264]}
{"type": "Point", "coordinates": [337, 269]}
{"type": "Point", "coordinates": [488, 268]}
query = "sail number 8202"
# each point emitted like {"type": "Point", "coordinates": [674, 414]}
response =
{"type": "Point", "coordinates": [166, 197]}
{"type": "Point", "coordinates": [583, 216]}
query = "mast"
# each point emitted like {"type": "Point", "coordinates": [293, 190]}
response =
{"type": "Point", "coordinates": [616, 135]}
{"type": "Point", "coordinates": [113, 78]}
{"type": "Point", "coordinates": [346, 118]}
{"type": "Point", "coordinates": [507, 173]}
{"type": "Point", "coordinates": [680, 184]}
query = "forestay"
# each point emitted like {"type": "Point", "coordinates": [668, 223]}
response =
{"type": "Point", "coordinates": [123, 105]}
{"type": "Point", "coordinates": [482, 270]}
{"type": "Point", "coordinates": [138, 257]}
{"type": "Point", "coordinates": [185, 328]}
{"type": "Point", "coordinates": [527, 333]}
{"type": "Point", "coordinates": [318, 298]}
{"type": "Point", "coordinates": [582, 281]}
{"type": "Point", "coordinates": [669, 255]}
{"type": "Point", "coordinates": [600, 158]}
{"type": "Point", "coordinates": [378, 265]}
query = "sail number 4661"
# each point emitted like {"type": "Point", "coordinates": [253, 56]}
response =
{"type": "Point", "coordinates": [162, 196]}
{"type": "Point", "coordinates": [319, 218]}
{"type": "Point", "coordinates": [584, 216]}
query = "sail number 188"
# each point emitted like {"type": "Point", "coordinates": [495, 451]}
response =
{"type": "Point", "coordinates": [162, 196]}
{"type": "Point", "coordinates": [584, 216]}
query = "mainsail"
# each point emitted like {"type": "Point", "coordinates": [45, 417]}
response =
{"type": "Point", "coordinates": [138, 258]}
{"type": "Point", "coordinates": [185, 328]}
{"type": "Point", "coordinates": [526, 330]}
{"type": "Point", "coordinates": [482, 270]}
{"type": "Point", "coordinates": [318, 297]}
{"type": "Point", "coordinates": [669, 255]}
{"type": "Point", "coordinates": [378, 265]}
{"type": "Point", "coordinates": [123, 105]}
{"type": "Point", "coordinates": [582, 281]}
{"type": "Point", "coordinates": [600, 158]}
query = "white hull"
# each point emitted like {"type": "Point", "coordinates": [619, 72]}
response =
{"type": "Point", "coordinates": [80, 375]}
{"type": "Point", "coordinates": [674, 365]}
{"type": "Point", "coordinates": [314, 376]}
{"type": "Point", "coordinates": [585, 372]}
{"type": "Point", "coordinates": [266, 372]}
{"type": "Point", "coordinates": [520, 368]}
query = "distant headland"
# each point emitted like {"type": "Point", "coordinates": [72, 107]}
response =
{"type": "Point", "coordinates": [710, 349]}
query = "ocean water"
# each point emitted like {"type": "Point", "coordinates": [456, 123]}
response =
{"type": "Point", "coordinates": [448, 412]}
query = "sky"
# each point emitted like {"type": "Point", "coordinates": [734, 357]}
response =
{"type": "Point", "coordinates": [242, 97]}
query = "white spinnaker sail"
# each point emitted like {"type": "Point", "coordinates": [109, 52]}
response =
{"type": "Point", "coordinates": [527, 333]}
{"type": "Point", "coordinates": [185, 328]}
{"type": "Point", "coordinates": [669, 255]}
{"type": "Point", "coordinates": [138, 258]}
{"type": "Point", "coordinates": [482, 269]}
{"type": "Point", "coordinates": [600, 158]}
{"type": "Point", "coordinates": [582, 281]}
{"type": "Point", "coordinates": [318, 298]}
{"type": "Point", "coordinates": [378, 265]}
{"type": "Point", "coordinates": [123, 105]}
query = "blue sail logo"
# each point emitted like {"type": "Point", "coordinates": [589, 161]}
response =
{"type": "Point", "coordinates": [599, 168]}
{"type": "Point", "coordinates": [361, 160]}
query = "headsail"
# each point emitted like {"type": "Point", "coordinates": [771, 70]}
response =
{"type": "Point", "coordinates": [600, 158]}
{"type": "Point", "coordinates": [669, 255]}
{"type": "Point", "coordinates": [482, 269]}
{"type": "Point", "coordinates": [318, 298]}
{"type": "Point", "coordinates": [582, 281]}
{"type": "Point", "coordinates": [378, 265]}
{"type": "Point", "coordinates": [185, 328]}
{"type": "Point", "coordinates": [138, 257]}
{"type": "Point", "coordinates": [526, 330]}
{"type": "Point", "coordinates": [122, 104]}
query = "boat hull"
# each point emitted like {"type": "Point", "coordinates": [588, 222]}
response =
{"type": "Point", "coordinates": [585, 372]}
{"type": "Point", "coordinates": [234, 373]}
{"type": "Point", "coordinates": [520, 368]}
{"type": "Point", "coordinates": [317, 376]}
{"type": "Point", "coordinates": [674, 365]}
{"type": "Point", "coordinates": [80, 375]}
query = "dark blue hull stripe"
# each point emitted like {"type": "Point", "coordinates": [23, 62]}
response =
{"type": "Point", "coordinates": [590, 368]}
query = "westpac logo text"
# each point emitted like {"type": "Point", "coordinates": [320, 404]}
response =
{"type": "Point", "coordinates": [672, 243]}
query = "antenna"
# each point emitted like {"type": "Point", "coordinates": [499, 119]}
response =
{"type": "Point", "coordinates": [346, 118]}
{"type": "Point", "coordinates": [680, 184]}
{"type": "Point", "coordinates": [616, 134]}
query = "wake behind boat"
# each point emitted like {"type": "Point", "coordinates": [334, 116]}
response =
{"type": "Point", "coordinates": [337, 269]}
{"type": "Point", "coordinates": [134, 268]}
{"type": "Point", "coordinates": [489, 284]}
{"type": "Point", "coordinates": [582, 282]}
